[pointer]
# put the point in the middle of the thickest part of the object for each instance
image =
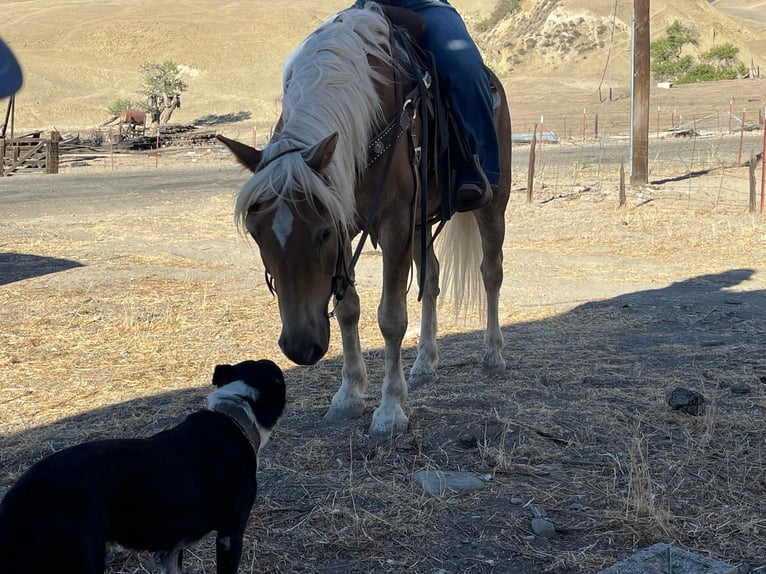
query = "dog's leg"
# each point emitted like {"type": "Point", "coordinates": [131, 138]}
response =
{"type": "Point", "coordinates": [228, 550]}
{"type": "Point", "coordinates": [172, 562]}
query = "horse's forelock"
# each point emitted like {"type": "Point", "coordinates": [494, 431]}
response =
{"type": "Point", "coordinates": [288, 179]}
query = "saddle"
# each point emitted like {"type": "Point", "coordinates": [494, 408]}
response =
{"type": "Point", "coordinates": [444, 145]}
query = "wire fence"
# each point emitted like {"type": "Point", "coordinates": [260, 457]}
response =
{"type": "Point", "coordinates": [713, 161]}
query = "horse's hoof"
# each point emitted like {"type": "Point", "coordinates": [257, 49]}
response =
{"type": "Point", "coordinates": [383, 429]}
{"type": "Point", "coordinates": [493, 364]}
{"type": "Point", "coordinates": [341, 415]}
{"type": "Point", "coordinates": [419, 380]}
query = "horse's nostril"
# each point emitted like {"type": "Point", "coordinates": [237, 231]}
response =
{"type": "Point", "coordinates": [301, 354]}
{"type": "Point", "coordinates": [316, 353]}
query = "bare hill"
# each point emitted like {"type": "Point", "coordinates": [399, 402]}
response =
{"type": "Point", "coordinates": [80, 57]}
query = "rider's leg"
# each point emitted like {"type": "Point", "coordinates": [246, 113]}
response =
{"type": "Point", "coordinates": [460, 64]}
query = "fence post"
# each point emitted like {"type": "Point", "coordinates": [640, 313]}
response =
{"type": "Point", "coordinates": [731, 103]}
{"type": "Point", "coordinates": [540, 144]}
{"type": "Point", "coordinates": [531, 170]}
{"type": "Point", "coordinates": [763, 163]}
{"type": "Point", "coordinates": [2, 155]}
{"type": "Point", "coordinates": [623, 199]}
{"type": "Point", "coordinates": [658, 122]}
{"type": "Point", "coordinates": [52, 154]}
{"type": "Point", "coordinates": [753, 165]}
{"type": "Point", "coordinates": [741, 139]}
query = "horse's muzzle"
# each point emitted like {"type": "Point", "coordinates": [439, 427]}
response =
{"type": "Point", "coordinates": [302, 352]}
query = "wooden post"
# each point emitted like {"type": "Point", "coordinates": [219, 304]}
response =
{"type": "Point", "coordinates": [763, 164]}
{"type": "Point", "coordinates": [658, 122]}
{"type": "Point", "coordinates": [639, 161]}
{"type": "Point", "coordinates": [741, 139]}
{"type": "Point", "coordinates": [753, 165]}
{"type": "Point", "coordinates": [2, 155]}
{"type": "Point", "coordinates": [52, 154]}
{"type": "Point", "coordinates": [531, 170]}
{"type": "Point", "coordinates": [595, 129]}
{"type": "Point", "coordinates": [540, 145]}
{"type": "Point", "coordinates": [623, 199]}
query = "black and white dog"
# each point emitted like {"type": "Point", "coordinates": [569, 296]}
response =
{"type": "Point", "coordinates": [159, 494]}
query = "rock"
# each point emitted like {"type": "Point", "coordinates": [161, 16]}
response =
{"type": "Point", "coordinates": [686, 401]}
{"type": "Point", "coordinates": [438, 482]}
{"type": "Point", "coordinates": [543, 528]}
{"type": "Point", "coordinates": [663, 558]}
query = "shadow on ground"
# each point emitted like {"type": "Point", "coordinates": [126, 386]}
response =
{"type": "Point", "coordinates": [20, 266]}
{"type": "Point", "coordinates": [555, 437]}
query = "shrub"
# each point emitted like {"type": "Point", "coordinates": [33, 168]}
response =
{"type": "Point", "coordinates": [502, 9]}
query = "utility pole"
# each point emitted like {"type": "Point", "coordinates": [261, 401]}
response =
{"type": "Point", "coordinates": [639, 95]}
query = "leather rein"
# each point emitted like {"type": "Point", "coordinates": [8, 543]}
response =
{"type": "Point", "coordinates": [382, 146]}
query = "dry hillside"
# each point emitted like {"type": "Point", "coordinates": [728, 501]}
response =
{"type": "Point", "coordinates": [79, 57]}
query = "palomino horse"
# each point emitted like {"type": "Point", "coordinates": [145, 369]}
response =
{"type": "Point", "coordinates": [315, 187]}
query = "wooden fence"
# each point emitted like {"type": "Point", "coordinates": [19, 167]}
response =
{"type": "Point", "coordinates": [29, 153]}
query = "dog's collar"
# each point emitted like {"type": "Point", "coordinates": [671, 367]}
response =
{"type": "Point", "coordinates": [239, 417]}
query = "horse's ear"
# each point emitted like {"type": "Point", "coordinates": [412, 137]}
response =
{"type": "Point", "coordinates": [246, 155]}
{"type": "Point", "coordinates": [318, 157]}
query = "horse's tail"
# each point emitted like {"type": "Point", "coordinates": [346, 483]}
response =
{"type": "Point", "coordinates": [459, 253]}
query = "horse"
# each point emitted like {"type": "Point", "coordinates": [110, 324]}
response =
{"type": "Point", "coordinates": [315, 187]}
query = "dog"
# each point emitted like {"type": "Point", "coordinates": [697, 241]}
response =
{"type": "Point", "coordinates": [158, 494]}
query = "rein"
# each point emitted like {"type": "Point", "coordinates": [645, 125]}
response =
{"type": "Point", "coordinates": [381, 146]}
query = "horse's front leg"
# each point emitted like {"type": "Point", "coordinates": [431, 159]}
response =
{"type": "Point", "coordinates": [389, 418]}
{"type": "Point", "coordinates": [348, 402]}
{"type": "Point", "coordinates": [424, 368]}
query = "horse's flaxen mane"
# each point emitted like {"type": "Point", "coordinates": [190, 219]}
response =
{"type": "Point", "coordinates": [329, 86]}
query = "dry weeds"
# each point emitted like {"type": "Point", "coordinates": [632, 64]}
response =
{"type": "Point", "coordinates": [604, 311]}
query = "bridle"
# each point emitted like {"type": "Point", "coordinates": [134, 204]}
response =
{"type": "Point", "coordinates": [382, 146]}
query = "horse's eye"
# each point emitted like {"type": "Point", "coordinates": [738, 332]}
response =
{"type": "Point", "coordinates": [323, 235]}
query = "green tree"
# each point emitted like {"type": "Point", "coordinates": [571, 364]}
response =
{"type": "Point", "coordinates": [668, 63]}
{"type": "Point", "coordinates": [162, 87]}
{"type": "Point", "coordinates": [723, 58]}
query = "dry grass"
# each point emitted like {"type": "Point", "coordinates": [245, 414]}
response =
{"type": "Point", "coordinates": [604, 311]}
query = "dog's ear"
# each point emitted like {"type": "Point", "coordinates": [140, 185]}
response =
{"type": "Point", "coordinates": [225, 374]}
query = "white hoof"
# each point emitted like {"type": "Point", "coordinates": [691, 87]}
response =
{"type": "Point", "coordinates": [389, 424]}
{"type": "Point", "coordinates": [341, 415]}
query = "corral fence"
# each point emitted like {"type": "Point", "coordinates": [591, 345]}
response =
{"type": "Point", "coordinates": [33, 153]}
{"type": "Point", "coordinates": [30, 153]}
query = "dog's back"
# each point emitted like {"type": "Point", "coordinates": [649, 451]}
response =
{"type": "Point", "coordinates": [151, 494]}
{"type": "Point", "coordinates": [158, 494]}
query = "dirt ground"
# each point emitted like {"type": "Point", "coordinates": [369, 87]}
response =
{"type": "Point", "coordinates": [120, 291]}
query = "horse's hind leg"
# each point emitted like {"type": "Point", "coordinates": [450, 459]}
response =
{"type": "Point", "coordinates": [492, 228]}
{"type": "Point", "coordinates": [348, 402]}
{"type": "Point", "coordinates": [424, 368]}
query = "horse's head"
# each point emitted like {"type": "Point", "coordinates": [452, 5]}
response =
{"type": "Point", "coordinates": [298, 238]}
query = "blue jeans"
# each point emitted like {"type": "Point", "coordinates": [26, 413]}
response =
{"type": "Point", "coordinates": [459, 63]}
